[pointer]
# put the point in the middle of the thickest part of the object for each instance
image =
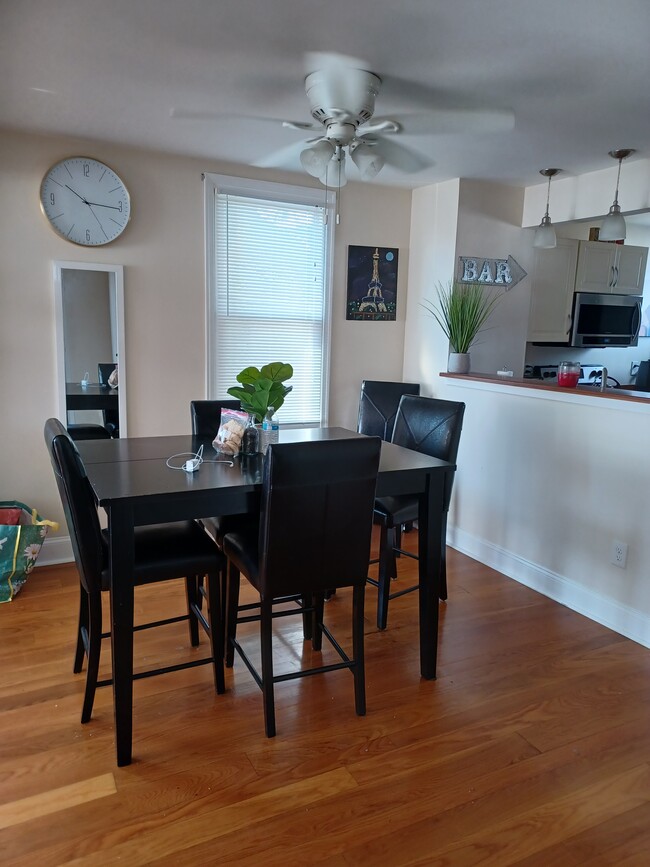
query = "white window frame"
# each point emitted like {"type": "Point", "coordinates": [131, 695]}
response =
{"type": "Point", "coordinates": [215, 183]}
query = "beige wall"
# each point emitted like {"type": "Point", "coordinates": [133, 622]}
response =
{"type": "Point", "coordinates": [162, 252]}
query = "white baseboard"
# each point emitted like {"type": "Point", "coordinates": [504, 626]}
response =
{"type": "Point", "coordinates": [604, 610]}
{"type": "Point", "coordinates": [57, 549]}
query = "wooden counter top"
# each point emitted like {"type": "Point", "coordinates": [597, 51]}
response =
{"type": "Point", "coordinates": [543, 385]}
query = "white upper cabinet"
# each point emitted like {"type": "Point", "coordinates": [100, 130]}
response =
{"type": "Point", "coordinates": [615, 268]}
{"type": "Point", "coordinates": [553, 280]}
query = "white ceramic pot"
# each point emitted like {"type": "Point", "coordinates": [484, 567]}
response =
{"type": "Point", "coordinates": [458, 362]}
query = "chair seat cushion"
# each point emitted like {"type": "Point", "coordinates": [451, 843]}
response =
{"type": "Point", "coordinates": [218, 526]}
{"type": "Point", "coordinates": [393, 511]}
{"type": "Point", "coordinates": [242, 549]}
{"type": "Point", "coordinates": [165, 551]}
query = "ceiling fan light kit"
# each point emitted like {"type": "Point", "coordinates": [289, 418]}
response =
{"type": "Point", "coordinates": [613, 227]}
{"type": "Point", "coordinates": [314, 159]}
{"type": "Point", "coordinates": [545, 238]}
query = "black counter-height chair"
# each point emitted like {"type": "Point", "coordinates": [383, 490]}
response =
{"type": "Point", "coordinates": [378, 405]}
{"type": "Point", "coordinates": [314, 534]}
{"type": "Point", "coordinates": [206, 415]}
{"type": "Point", "coordinates": [162, 552]}
{"type": "Point", "coordinates": [111, 416]}
{"type": "Point", "coordinates": [433, 428]}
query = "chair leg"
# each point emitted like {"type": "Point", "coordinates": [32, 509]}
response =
{"type": "Point", "coordinates": [398, 540]}
{"type": "Point", "coordinates": [94, 649]}
{"type": "Point", "coordinates": [191, 591]}
{"type": "Point", "coordinates": [307, 632]}
{"type": "Point", "coordinates": [386, 561]}
{"type": "Point", "coordinates": [359, 669]}
{"type": "Point", "coordinates": [216, 630]}
{"type": "Point", "coordinates": [80, 650]}
{"type": "Point", "coordinates": [266, 637]}
{"type": "Point", "coordinates": [443, 560]}
{"type": "Point", "coordinates": [232, 604]}
{"type": "Point", "coordinates": [318, 603]}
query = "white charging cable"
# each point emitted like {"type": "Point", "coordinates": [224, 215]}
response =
{"type": "Point", "coordinates": [195, 459]}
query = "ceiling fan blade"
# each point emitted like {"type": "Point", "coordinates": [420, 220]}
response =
{"type": "Point", "coordinates": [398, 156]}
{"type": "Point", "coordinates": [200, 114]}
{"type": "Point", "coordinates": [286, 158]}
{"type": "Point", "coordinates": [453, 121]}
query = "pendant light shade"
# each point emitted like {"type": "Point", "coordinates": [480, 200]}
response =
{"type": "Point", "coordinates": [367, 160]}
{"type": "Point", "coordinates": [613, 227]}
{"type": "Point", "coordinates": [314, 160]}
{"type": "Point", "coordinates": [545, 233]}
{"type": "Point", "coordinates": [334, 175]}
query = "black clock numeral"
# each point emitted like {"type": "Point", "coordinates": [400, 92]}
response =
{"type": "Point", "coordinates": [88, 235]}
{"type": "Point", "coordinates": [52, 202]}
{"type": "Point", "coordinates": [86, 170]}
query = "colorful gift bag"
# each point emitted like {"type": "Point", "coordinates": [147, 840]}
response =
{"type": "Point", "coordinates": [22, 533]}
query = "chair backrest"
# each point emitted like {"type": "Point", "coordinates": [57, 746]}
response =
{"type": "Point", "coordinates": [111, 416]}
{"type": "Point", "coordinates": [378, 405]}
{"type": "Point", "coordinates": [316, 516]}
{"type": "Point", "coordinates": [78, 505]}
{"type": "Point", "coordinates": [432, 427]}
{"type": "Point", "coordinates": [206, 415]}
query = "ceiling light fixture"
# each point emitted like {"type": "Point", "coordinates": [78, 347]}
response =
{"type": "Point", "coordinates": [545, 233]}
{"type": "Point", "coordinates": [367, 160]}
{"type": "Point", "coordinates": [334, 174]}
{"type": "Point", "coordinates": [613, 227]}
{"type": "Point", "coordinates": [314, 159]}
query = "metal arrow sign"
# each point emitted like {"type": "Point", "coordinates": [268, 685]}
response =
{"type": "Point", "coordinates": [491, 272]}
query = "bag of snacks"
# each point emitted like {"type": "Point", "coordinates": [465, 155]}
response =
{"type": "Point", "coordinates": [229, 437]}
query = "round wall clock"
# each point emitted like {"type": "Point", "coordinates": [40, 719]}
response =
{"type": "Point", "coordinates": [85, 201]}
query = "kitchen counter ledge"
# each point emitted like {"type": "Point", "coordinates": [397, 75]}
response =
{"type": "Point", "coordinates": [625, 398]}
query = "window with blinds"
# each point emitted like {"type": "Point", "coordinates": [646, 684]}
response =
{"type": "Point", "coordinates": [269, 290]}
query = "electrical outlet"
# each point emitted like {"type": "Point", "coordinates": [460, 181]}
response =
{"type": "Point", "coordinates": [618, 554]}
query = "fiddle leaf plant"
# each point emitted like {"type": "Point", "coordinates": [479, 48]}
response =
{"type": "Point", "coordinates": [262, 388]}
{"type": "Point", "coordinates": [462, 311]}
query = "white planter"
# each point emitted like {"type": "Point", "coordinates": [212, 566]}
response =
{"type": "Point", "coordinates": [458, 362]}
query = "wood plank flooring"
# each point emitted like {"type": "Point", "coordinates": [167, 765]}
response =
{"type": "Point", "coordinates": [531, 748]}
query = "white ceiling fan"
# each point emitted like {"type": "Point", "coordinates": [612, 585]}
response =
{"type": "Point", "coordinates": [342, 93]}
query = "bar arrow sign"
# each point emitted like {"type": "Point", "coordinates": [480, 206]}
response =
{"type": "Point", "coordinates": [491, 272]}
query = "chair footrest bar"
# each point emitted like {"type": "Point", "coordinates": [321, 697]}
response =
{"type": "Point", "coordinates": [403, 592]}
{"type": "Point", "coordinates": [406, 553]}
{"type": "Point", "coordinates": [335, 666]}
{"type": "Point", "coordinates": [165, 670]}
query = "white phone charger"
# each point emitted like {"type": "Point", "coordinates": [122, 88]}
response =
{"type": "Point", "coordinates": [192, 466]}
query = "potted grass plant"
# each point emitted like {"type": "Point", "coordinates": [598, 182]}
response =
{"type": "Point", "coordinates": [461, 310]}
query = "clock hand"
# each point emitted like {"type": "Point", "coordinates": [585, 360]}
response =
{"type": "Point", "coordinates": [100, 205]}
{"type": "Point", "coordinates": [97, 218]}
{"type": "Point", "coordinates": [77, 195]}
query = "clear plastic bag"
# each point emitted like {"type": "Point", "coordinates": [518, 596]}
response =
{"type": "Point", "coordinates": [228, 440]}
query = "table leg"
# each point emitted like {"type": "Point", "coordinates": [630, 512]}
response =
{"type": "Point", "coordinates": [430, 552]}
{"type": "Point", "coordinates": [121, 568]}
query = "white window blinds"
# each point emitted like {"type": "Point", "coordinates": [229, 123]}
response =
{"type": "Point", "coordinates": [270, 295]}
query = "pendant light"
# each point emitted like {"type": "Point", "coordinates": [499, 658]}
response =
{"type": "Point", "coordinates": [613, 227]}
{"type": "Point", "coordinates": [545, 233]}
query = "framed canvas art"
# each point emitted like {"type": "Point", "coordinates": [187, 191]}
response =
{"type": "Point", "coordinates": [372, 283]}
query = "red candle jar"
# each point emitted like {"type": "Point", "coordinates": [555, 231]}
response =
{"type": "Point", "coordinates": [568, 374]}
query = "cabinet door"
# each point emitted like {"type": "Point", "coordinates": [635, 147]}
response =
{"type": "Point", "coordinates": [629, 269]}
{"type": "Point", "coordinates": [553, 278]}
{"type": "Point", "coordinates": [595, 267]}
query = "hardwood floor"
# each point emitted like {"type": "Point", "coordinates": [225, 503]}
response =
{"type": "Point", "coordinates": [531, 748]}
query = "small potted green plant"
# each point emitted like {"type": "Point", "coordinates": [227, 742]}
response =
{"type": "Point", "coordinates": [262, 388]}
{"type": "Point", "coordinates": [461, 311]}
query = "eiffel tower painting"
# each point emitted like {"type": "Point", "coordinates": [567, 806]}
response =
{"type": "Point", "coordinates": [372, 283]}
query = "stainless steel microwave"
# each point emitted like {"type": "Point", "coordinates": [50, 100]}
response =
{"type": "Point", "coordinates": [605, 319]}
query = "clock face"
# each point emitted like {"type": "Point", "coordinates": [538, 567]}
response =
{"type": "Point", "coordinates": [85, 201]}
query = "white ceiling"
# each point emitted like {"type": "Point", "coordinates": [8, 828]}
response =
{"type": "Point", "coordinates": [575, 72]}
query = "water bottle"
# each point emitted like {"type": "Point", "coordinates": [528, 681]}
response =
{"type": "Point", "coordinates": [270, 429]}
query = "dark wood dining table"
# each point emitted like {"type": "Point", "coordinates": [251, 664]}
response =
{"type": "Point", "coordinates": [91, 396]}
{"type": "Point", "coordinates": [132, 482]}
